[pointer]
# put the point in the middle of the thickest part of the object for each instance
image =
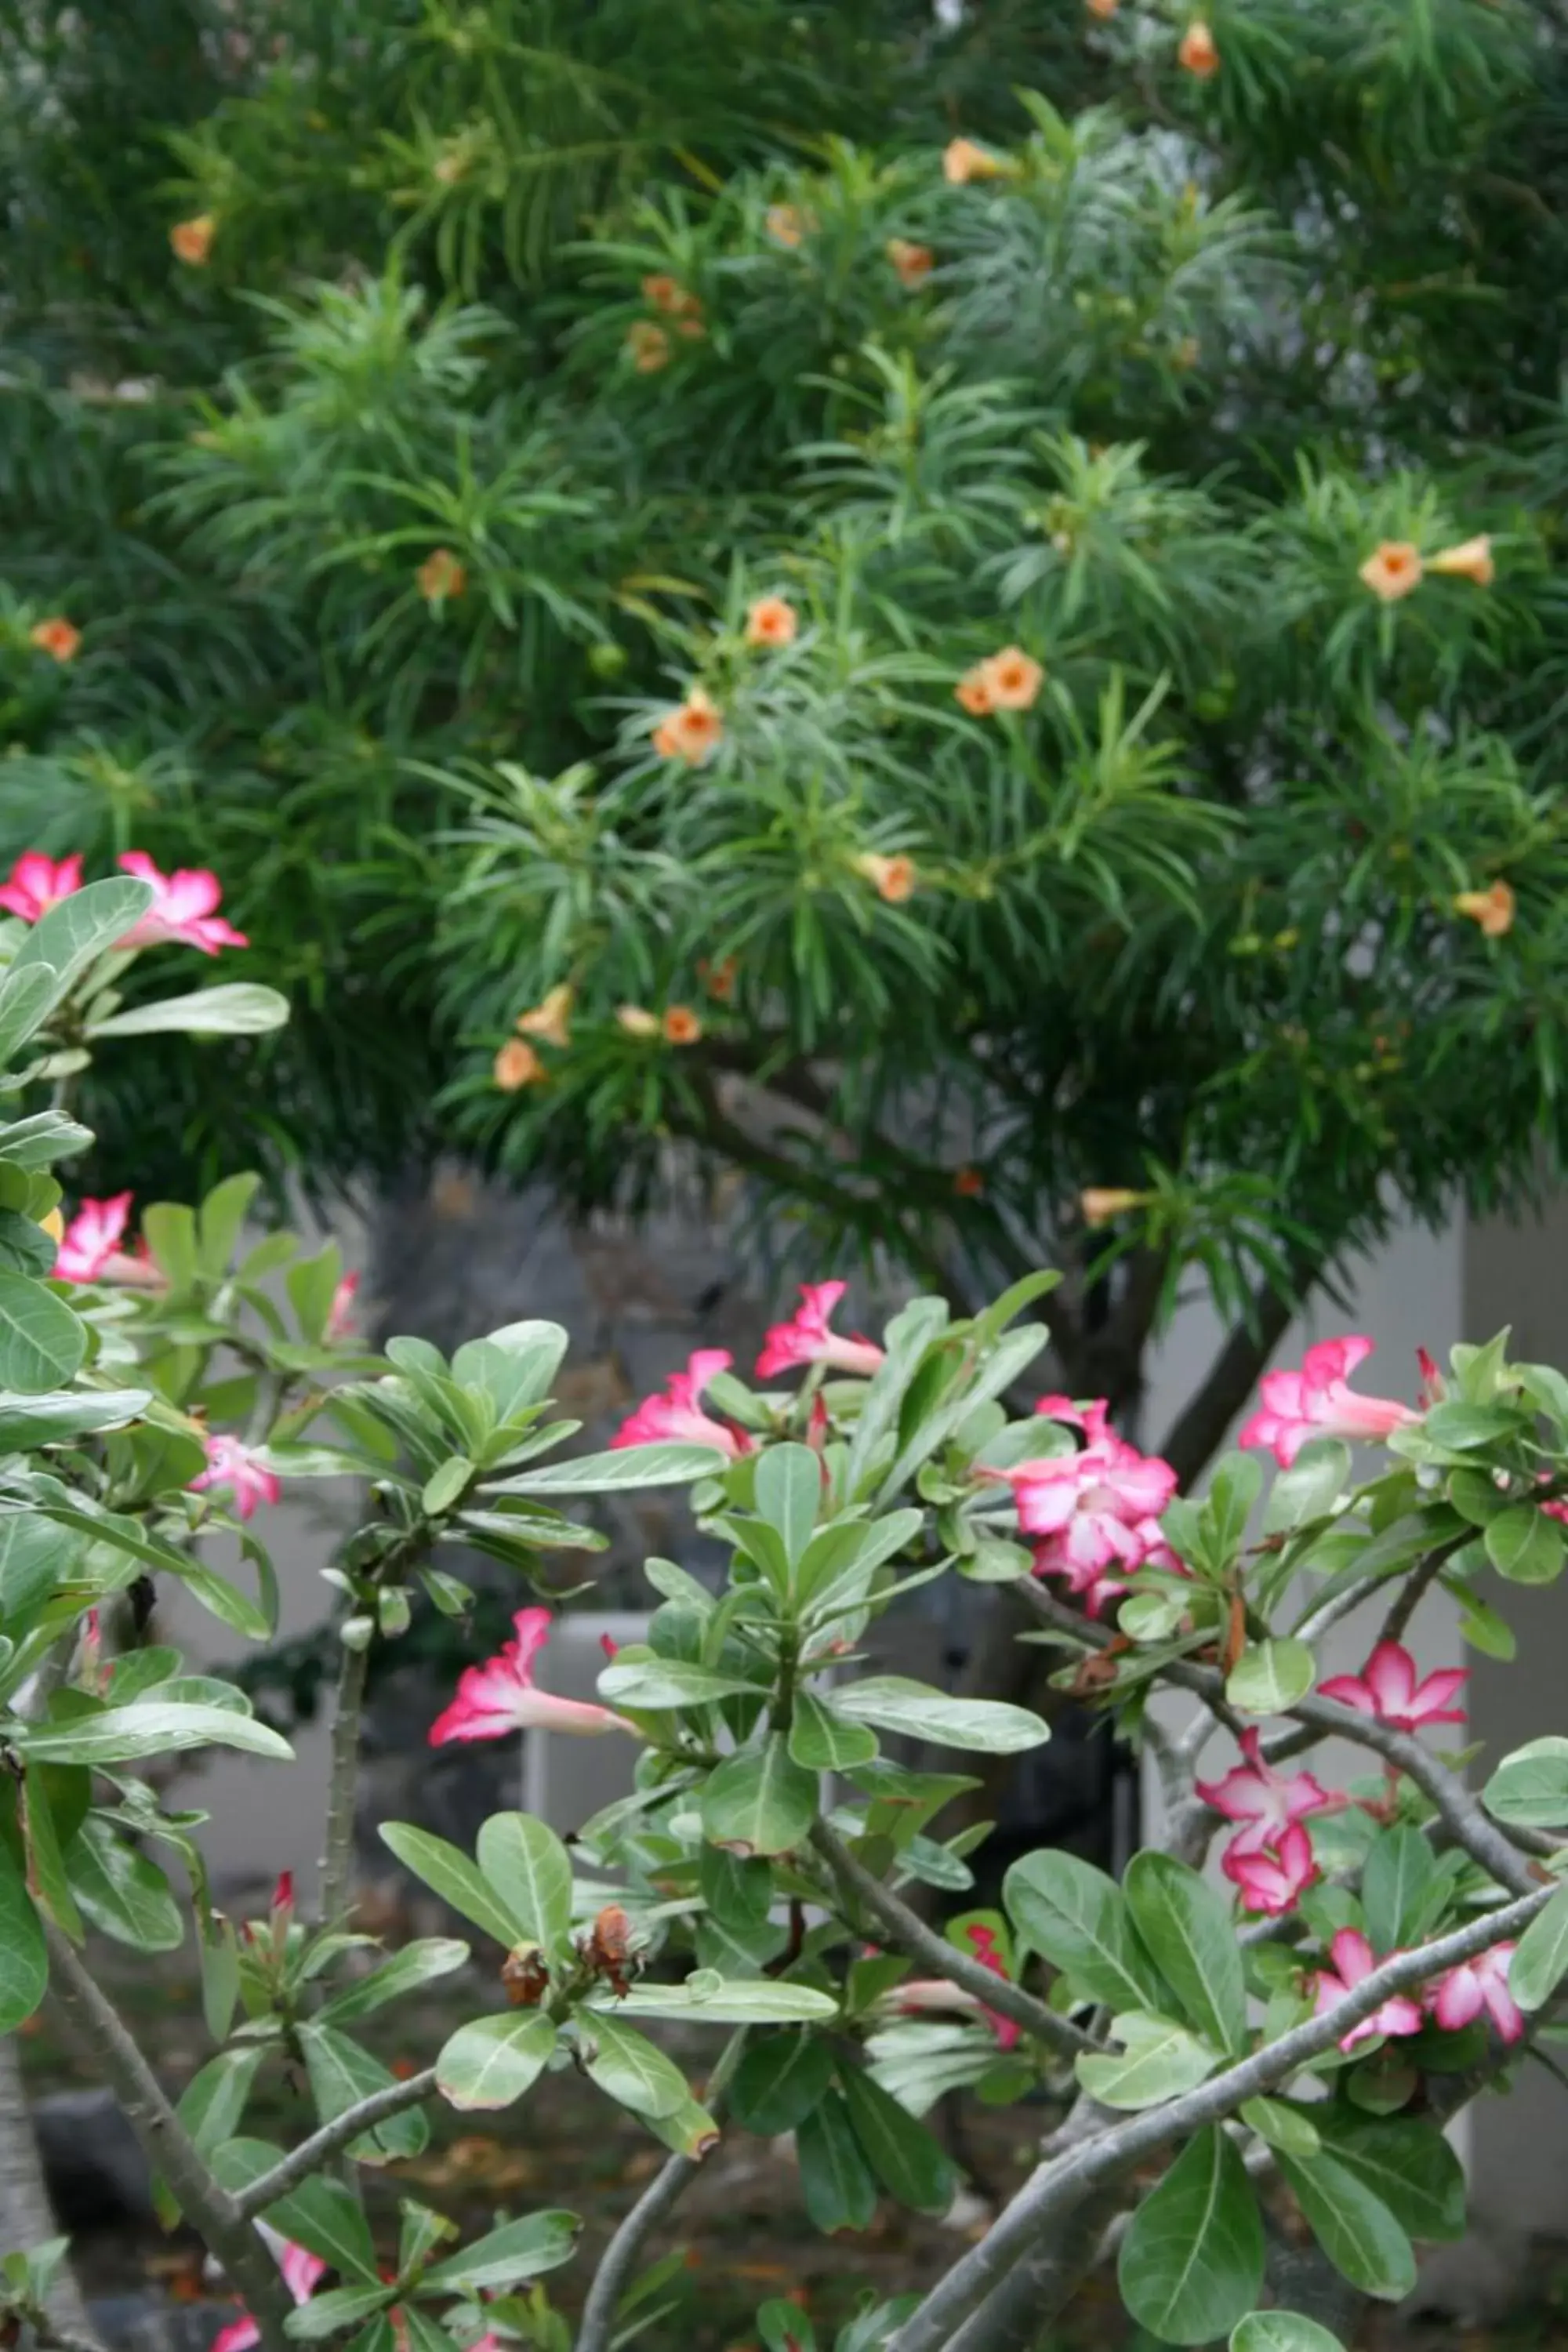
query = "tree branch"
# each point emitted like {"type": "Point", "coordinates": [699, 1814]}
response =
{"type": "Point", "coordinates": [1061, 2187]}
{"type": "Point", "coordinates": [337, 1859]}
{"type": "Point", "coordinates": [912, 1935]}
{"type": "Point", "coordinates": [167, 2144]}
{"type": "Point", "coordinates": [313, 2154]}
{"type": "Point", "coordinates": [660, 2197]}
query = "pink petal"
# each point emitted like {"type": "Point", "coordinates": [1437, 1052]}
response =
{"type": "Point", "coordinates": [1459, 2001]}
{"type": "Point", "coordinates": [1433, 1702]}
{"type": "Point", "coordinates": [1349, 1690]}
{"type": "Point", "coordinates": [533, 1629]}
{"type": "Point", "coordinates": [1390, 1674]}
{"type": "Point", "coordinates": [1352, 1956]}
{"type": "Point", "coordinates": [1333, 1359]}
{"type": "Point", "coordinates": [302, 2268]}
{"type": "Point", "coordinates": [238, 2335]}
{"type": "Point", "coordinates": [1283, 1394]}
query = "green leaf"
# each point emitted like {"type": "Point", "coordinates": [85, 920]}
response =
{"type": "Point", "coordinates": [531, 1872]}
{"type": "Point", "coordinates": [1188, 1928]}
{"type": "Point", "coordinates": [26, 998]}
{"type": "Point", "coordinates": [1529, 1789]}
{"type": "Point", "coordinates": [1525, 1545]}
{"type": "Point", "coordinates": [213, 2100]}
{"type": "Point", "coordinates": [788, 1493]}
{"type": "Point", "coordinates": [737, 2001]}
{"type": "Point", "coordinates": [236, 1008]}
{"type": "Point", "coordinates": [906, 1340]}
{"type": "Point", "coordinates": [1408, 2165]}
{"type": "Point", "coordinates": [45, 1869]}
{"type": "Point", "coordinates": [1270, 1676]}
{"type": "Point", "coordinates": [1157, 2062]}
{"type": "Point", "coordinates": [1457, 1427]}
{"type": "Point", "coordinates": [220, 1219]}
{"type": "Point", "coordinates": [909, 2163]}
{"type": "Point", "coordinates": [329, 2312]}
{"type": "Point", "coordinates": [444, 1486]}
{"type": "Point", "coordinates": [153, 1726]}
{"type": "Point", "coordinates": [1538, 1966]}
{"type": "Point", "coordinates": [23, 1958]}
{"type": "Point", "coordinates": [739, 1893]}
{"type": "Point", "coordinates": [169, 1229]}
{"type": "Point", "coordinates": [517, 2249]}
{"type": "Point", "coordinates": [1399, 1881]}
{"type": "Point", "coordinates": [1310, 1488]}
{"type": "Point", "coordinates": [760, 1802]}
{"type": "Point", "coordinates": [494, 2060]}
{"type": "Point", "coordinates": [1076, 1917]}
{"type": "Point", "coordinates": [650, 1685]}
{"type": "Point", "coordinates": [320, 2214]}
{"type": "Point", "coordinates": [29, 1421]}
{"type": "Point", "coordinates": [1192, 2262]}
{"type": "Point", "coordinates": [450, 1874]}
{"type": "Point", "coordinates": [893, 1702]}
{"type": "Point", "coordinates": [1353, 2225]}
{"type": "Point", "coordinates": [78, 928]}
{"type": "Point", "coordinates": [613, 1474]}
{"type": "Point", "coordinates": [120, 1891]}
{"type": "Point", "coordinates": [840, 2193]}
{"type": "Point", "coordinates": [341, 2074]}
{"type": "Point", "coordinates": [821, 1738]}
{"type": "Point", "coordinates": [1281, 2331]}
{"type": "Point", "coordinates": [779, 2080]}
{"type": "Point", "coordinates": [627, 2066]}
{"type": "Point", "coordinates": [1282, 2125]}
{"type": "Point", "coordinates": [42, 1342]}
{"type": "Point", "coordinates": [33, 1555]}
{"type": "Point", "coordinates": [403, 1972]}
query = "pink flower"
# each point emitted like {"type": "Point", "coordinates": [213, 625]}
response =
{"type": "Point", "coordinates": [808, 1341]}
{"type": "Point", "coordinates": [37, 884]}
{"type": "Point", "coordinates": [1434, 1387]}
{"type": "Point", "coordinates": [679, 1413]}
{"type": "Point", "coordinates": [982, 1942]}
{"type": "Point", "coordinates": [1267, 1800]}
{"type": "Point", "coordinates": [1270, 1877]}
{"type": "Point", "coordinates": [1354, 1961]}
{"type": "Point", "coordinates": [302, 2268]}
{"type": "Point", "coordinates": [90, 1251]}
{"type": "Point", "coordinates": [340, 1322]}
{"type": "Point", "coordinates": [283, 1911]}
{"type": "Point", "coordinates": [232, 1463]}
{"type": "Point", "coordinates": [1317, 1401]}
{"type": "Point", "coordinates": [1097, 1509]}
{"type": "Point", "coordinates": [919, 1994]}
{"type": "Point", "coordinates": [1460, 1996]}
{"type": "Point", "coordinates": [1388, 1690]}
{"type": "Point", "coordinates": [500, 1695]}
{"type": "Point", "coordinates": [184, 911]}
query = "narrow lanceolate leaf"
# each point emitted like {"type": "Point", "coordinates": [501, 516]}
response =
{"type": "Point", "coordinates": [1353, 2226]}
{"type": "Point", "coordinates": [761, 1802]}
{"type": "Point", "coordinates": [1192, 2261]}
{"type": "Point", "coordinates": [911, 2164]}
{"type": "Point", "coordinates": [320, 2214]}
{"type": "Point", "coordinates": [619, 1473]}
{"type": "Point", "coordinates": [736, 2000]}
{"type": "Point", "coordinates": [788, 1493]}
{"type": "Point", "coordinates": [1157, 2062]}
{"type": "Point", "coordinates": [517, 2250]}
{"type": "Point", "coordinates": [238, 1008]}
{"type": "Point", "coordinates": [1400, 1884]}
{"type": "Point", "coordinates": [341, 2074]}
{"type": "Point", "coordinates": [1187, 1925]}
{"type": "Point", "coordinates": [1541, 1960]}
{"type": "Point", "coordinates": [494, 2060]}
{"type": "Point", "coordinates": [893, 1702]}
{"type": "Point", "coordinates": [122, 1735]}
{"type": "Point", "coordinates": [653, 1684]}
{"type": "Point", "coordinates": [1076, 1917]}
{"type": "Point", "coordinates": [403, 1972]}
{"type": "Point", "coordinates": [529, 1868]}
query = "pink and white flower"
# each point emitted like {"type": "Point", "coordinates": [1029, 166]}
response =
{"type": "Point", "coordinates": [89, 1247]}
{"type": "Point", "coordinates": [341, 1313]}
{"type": "Point", "coordinates": [232, 1465]}
{"type": "Point", "coordinates": [982, 1942]}
{"type": "Point", "coordinates": [1097, 1510]}
{"type": "Point", "coordinates": [1267, 1801]}
{"type": "Point", "coordinates": [1270, 1878]}
{"type": "Point", "coordinates": [679, 1413]}
{"type": "Point", "coordinates": [499, 1696]}
{"type": "Point", "coordinates": [37, 883]}
{"type": "Point", "coordinates": [1386, 1690]}
{"type": "Point", "coordinates": [806, 1340]}
{"type": "Point", "coordinates": [301, 2270]}
{"type": "Point", "coordinates": [1458, 1996]}
{"type": "Point", "coordinates": [1317, 1402]}
{"type": "Point", "coordinates": [185, 910]}
{"type": "Point", "coordinates": [1353, 1962]}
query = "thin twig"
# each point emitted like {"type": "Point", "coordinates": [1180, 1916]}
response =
{"type": "Point", "coordinates": [337, 1859]}
{"type": "Point", "coordinates": [1413, 1591]}
{"type": "Point", "coordinates": [168, 2147]}
{"type": "Point", "coordinates": [313, 2154]}
{"type": "Point", "coordinates": [662, 2193]}
{"type": "Point", "coordinates": [1058, 2189]}
{"type": "Point", "coordinates": [912, 1935]}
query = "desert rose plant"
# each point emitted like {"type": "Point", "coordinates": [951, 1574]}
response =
{"type": "Point", "coordinates": [1288, 2037]}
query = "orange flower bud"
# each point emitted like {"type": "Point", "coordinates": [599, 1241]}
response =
{"type": "Point", "coordinates": [516, 1065]}
{"type": "Point", "coordinates": [1100, 1204]}
{"type": "Point", "coordinates": [1012, 679]}
{"type": "Point", "coordinates": [788, 224]}
{"type": "Point", "coordinates": [1199, 51]}
{"type": "Point", "coordinates": [55, 638]}
{"type": "Point", "coordinates": [681, 1026]}
{"type": "Point", "coordinates": [550, 1019]}
{"type": "Point", "coordinates": [894, 878]}
{"type": "Point", "coordinates": [962, 160]}
{"type": "Point", "coordinates": [968, 1183]}
{"type": "Point", "coordinates": [441, 577]}
{"type": "Point", "coordinates": [193, 239]}
{"type": "Point", "coordinates": [648, 345]}
{"type": "Point", "coordinates": [1471, 560]}
{"type": "Point", "coordinates": [719, 979]}
{"type": "Point", "coordinates": [692, 733]}
{"type": "Point", "coordinates": [636, 1022]}
{"type": "Point", "coordinates": [912, 263]}
{"type": "Point", "coordinates": [1493, 909]}
{"type": "Point", "coordinates": [974, 691]}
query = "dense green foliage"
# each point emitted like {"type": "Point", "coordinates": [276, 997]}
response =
{"type": "Point", "coordinates": [1187, 925]}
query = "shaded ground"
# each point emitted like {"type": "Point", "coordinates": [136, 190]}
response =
{"type": "Point", "coordinates": [743, 2223]}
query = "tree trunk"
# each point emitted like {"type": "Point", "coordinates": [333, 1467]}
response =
{"type": "Point", "coordinates": [27, 2217]}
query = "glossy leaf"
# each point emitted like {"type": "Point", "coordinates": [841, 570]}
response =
{"type": "Point", "coordinates": [779, 2080]}
{"type": "Point", "coordinates": [823, 1740]}
{"type": "Point", "coordinates": [80, 928]}
{"type": "Point", "coordinates": [1076, 1917]}
{"type": "Point", "coordinates": [1270, 1676]}
{"type": "Point", "coordinates": [404, 1972]}
{"type": "Point", "coordinates": [528, 1867]}
{"type": "Point", "coordinates": [320, 2214]}
{"type": "Point", "coordinates": [627, 2066]}
{"type": "Point", "coordinates": [517, 2250]}
{"type": "Point", "coordinates": [1353, 2225]}
{"type": "Point", "coordinates": [893, 1702]}
{"type": "Point", "coordinates": [153, 1726]}
{"type": "Point", "coordinates": [450, 1873]}
{"type": "Point", "coordinates": [911, 2165]}
{"type": "Point", "coordinates": [24, 1958]}
{"type": "Point", "coordinates": [341, 2074]}
{"type": "Point", "coordinates": [1192, 2262]}
{"type": "Point", "coordinates": [1406, 2163]}
{"type": "Point", "coordinates": [1281, 2331]}
{"type": "Point", "coordinates": [1541, 1961]}
{"type": "Point", "coordinates": [619, 1473]}
{"type": "Point", "coordinates": [760, 1802]}
{"type": "Point", "coordinates": [834, 2177]}
{"type": "Point", "coordinates": [1157, 2062]}
{"type": "Point", "coordinates": [1529, 1789]}
{"type": "Point", "coordinates": [1187, 1925]}
{"type": "Point", "coordinates": [492, 2061]}
{"type": "Point", "coordinates": [120, 1891]}
{"type": "Point", "coordinates": [236, 1008]}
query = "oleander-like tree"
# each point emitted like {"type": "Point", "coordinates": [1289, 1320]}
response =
{"type": "Point", "coordinates": [954, 611]}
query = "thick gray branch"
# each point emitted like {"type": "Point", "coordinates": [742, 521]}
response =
{"type": "Point", "coordinates": [313, 2154]}
{"type": "Point", "coordinates": [337, 1860]}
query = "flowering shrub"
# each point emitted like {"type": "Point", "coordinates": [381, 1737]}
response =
{"type": "Point", "coordinates": [1293, 2032]}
